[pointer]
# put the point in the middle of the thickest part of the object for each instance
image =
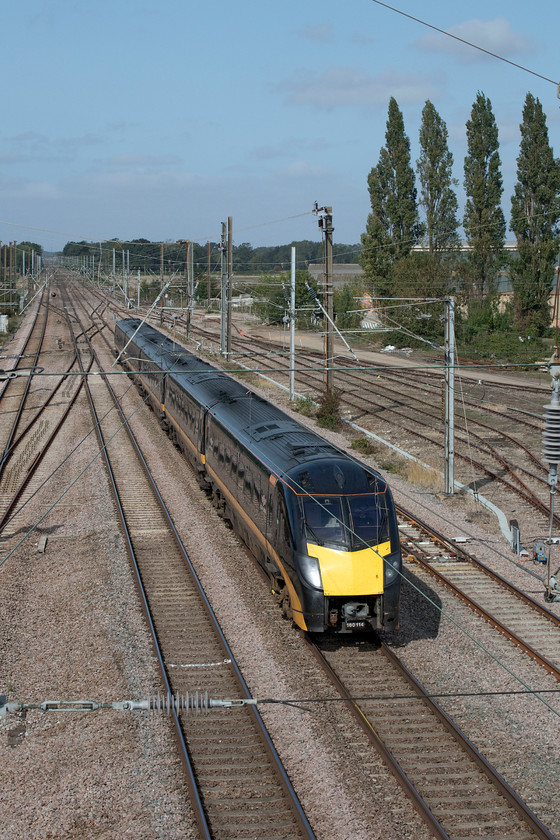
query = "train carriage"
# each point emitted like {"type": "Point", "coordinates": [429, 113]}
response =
{"type": "Point", "coordinates": [320, 523]}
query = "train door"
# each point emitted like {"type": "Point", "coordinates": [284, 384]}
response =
{"type": "Point", "coordinates": [282, 561]}
{"type": "Point", "coordinates": [280, 528]}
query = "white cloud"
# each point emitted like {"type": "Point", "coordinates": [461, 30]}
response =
{"type": "Point", "coordinates": [298, 169]}
{"type": "Point", "coordinates": [321, 32]}
{"type": "Point", "coordinates": [339, 87]}
{"type": "Point", "coordinates": [143, 161]}
{"type": "Point", "coordinates": [496, 36]}
{"type": "Point", "coordinates": [361, 39]}
{"type": "Point", "coordinates": [289, 147]}
{"type": "Point", "coordinates": [31, 145]}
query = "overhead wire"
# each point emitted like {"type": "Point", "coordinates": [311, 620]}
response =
{"type": "Point", "coordinates": [467, 43]}
{"type": "Point", "coordinates": [528, 690]}
{"type": "Point", "coordinates": [299, 215]}
{"type": "Point", "coordinates": [439, 608]}
{"type": "Point", "coordinates": [442, 611]}
{"type": "Point", "coordinates": [73, 482]}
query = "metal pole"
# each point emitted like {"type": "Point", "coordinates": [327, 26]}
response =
{"type": "Point", "coordinates": [208, 280]}
{"type": "Point", "coordinates": [551, 452]}
{"type": "Point", "coordinates": [229, 284]}
{"type": "Point", "coordinates": [191, 275]}
{"type": "Point", "coordinates": [223, 265]}
{"type": "Point", "coordinates": [124, 275]}
{"type": "Point", "coordinates": [449, 394]}
{"type": "Point", "coordinates": [293, 325]}
{"type": "Point", "coordinates": [187, 286]}
{"type": "Point", "coordinates": [326, 226]}
{"type": "Point", "coordinates": [329, 302]}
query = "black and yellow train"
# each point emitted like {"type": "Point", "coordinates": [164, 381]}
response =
{"type": "Point", "coordinates": [320, 523]}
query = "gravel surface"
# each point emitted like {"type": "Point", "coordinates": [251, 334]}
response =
{"type": "Point", "coordinates": [71, 628]}
{"type": "Point", "coordinates": [512, 729]}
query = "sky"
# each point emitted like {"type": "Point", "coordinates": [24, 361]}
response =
{"type": "Point", "coordinates": [137, 119]}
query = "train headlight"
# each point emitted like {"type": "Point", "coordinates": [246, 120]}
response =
{"type": "Point", "coordinates": [310, 571]}
{"type": "Point", "coordinates": [391, 568]}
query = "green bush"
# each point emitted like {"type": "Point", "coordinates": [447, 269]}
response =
{"type": "Point", "coordinates": [507, 347]}
{"type": "Point", "coordinates": [305, 406]}
{"type": "Point", "coordinates": [364, 446]}
{"type": "Point", "coordinates": [328, 412]}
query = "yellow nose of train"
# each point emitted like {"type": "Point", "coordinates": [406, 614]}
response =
{"type": "Point", "coordinates": [356, 573]}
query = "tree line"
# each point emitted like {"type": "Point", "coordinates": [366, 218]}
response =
{"type": "Point", "coordinates": [155, 257]}
{"type": "Point", "coordinates": [411, 241]}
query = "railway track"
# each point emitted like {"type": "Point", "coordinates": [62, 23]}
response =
{"type": "Point", "coordinates": [493, 600]}
{"type": "Point", "coordinates": [455, 790]}
{"type": "Point", "coordinates": [495, 810]}
{"type": "Point", "coordinates": [36, 408]}
{"type": "Point", "coordinates": [528, 624]}
{"type": "Point", "coordinates": [238, 786]}
{"type": "Point", "coordinates": [15, 391]}
{"type": "Point", "coordinates": [362, 397]}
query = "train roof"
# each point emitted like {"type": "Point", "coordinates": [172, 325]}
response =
{"type": "Point", "coordinates": [303, 458]}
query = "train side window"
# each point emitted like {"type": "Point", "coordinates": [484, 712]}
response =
{"type": "Point", "coordinates": [283, 526]}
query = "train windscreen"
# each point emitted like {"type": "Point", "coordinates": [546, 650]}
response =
{"type": "Point", "coordinates": [324, 520]}
{"type": "Point", "coordinates": [346, 521]}
{"type": "Point", "coordinates": [368, 521]}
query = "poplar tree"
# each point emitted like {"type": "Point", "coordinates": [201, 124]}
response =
{"type": "Point", "coordinates": [484, 223]}
{"type": "Point", "coordinates": [535, 215]}
{"type": "Point", "coordinates": [392, 227]}
{"type": "Point", "coordinates": [437, 195]}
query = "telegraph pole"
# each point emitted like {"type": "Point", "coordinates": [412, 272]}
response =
{"type": "Point", "coordinates": [189, 279]}
{"type": "Point", "coordinates": [326, 226]}
{"type": "Point", "coordinates": [449, 394]}
{"type": "Point", "coordinates": [190, 283]}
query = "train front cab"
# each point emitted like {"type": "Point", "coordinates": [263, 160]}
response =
{"type": "Point", "coordinates": [347, 561]}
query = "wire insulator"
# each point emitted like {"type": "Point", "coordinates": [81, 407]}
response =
{"type": "Point", "coordinates": [551, 431]}
{"type": "Point", "coordinates": [166, 703]}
